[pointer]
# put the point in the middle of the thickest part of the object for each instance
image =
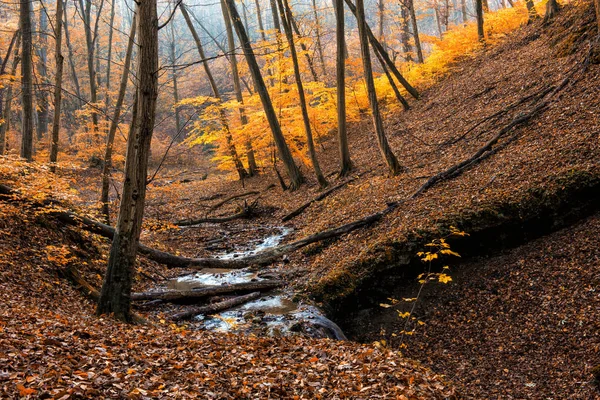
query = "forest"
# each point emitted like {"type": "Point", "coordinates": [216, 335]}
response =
{"type": "Point", "coordinates": [300, 199]}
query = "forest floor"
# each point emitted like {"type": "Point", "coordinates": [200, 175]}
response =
{"type": "Point", "coordinates": [539, 163]}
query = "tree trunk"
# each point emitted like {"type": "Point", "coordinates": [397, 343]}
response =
{"type": "Point", "coordinates": [379, 48]}
{"type": "Point", "coordinates": [207, 291]}
{"type": "Point", "coordinates": [286, 17]}
{"type": "Point", "coordinates": [381, 9]}
{"type": "Point", "coordinates": [415, 26]}
{"type": "Point", "coordinates": [57, 85]}
{"type": "Point", "coordinates": [216, 307]}
{"type": "Point", "coordinates": [405, 35]}
{"type": "Point", "coordinates": [552, 8]}
{"type": "Point", "coordinates": [260, 87]}
{"type": "Point", "coordinates": [26, 80]}
{"type": "Point", "coordinates": [116, 290]}
{"type": "Point", "coordinates": [479, 11]}
{"type": "Point", "coordinates": [532, 13]}
{"type": "Point", "coordinates": [41, 94]}
{"type": "Point", "coordinates": [397, 93]}
{"type": "Point", "coordinates": [111, 25]}
{"type": "Point", "coordinates": [86, 13]}
{"type": "Point", "coordinates": [14, 43]}
{"type": "Point", "coordinates": [345, 161]}
{"type": "Point", "coordinates": [389, 157]}
{"type": "Point", "coordinates": [252, 168]}
{"type": "Point", "coordinates": [71, 59]}
{"type": "Point", "coordinates": [173, 61]}
{"type": "Point", "coordinates": [114, 123]}
{"type": "Point", "coordinates": [242, 173]}
{"type": "Point", "coordinates": [318, 37]}
{"type": "Point", "coordinates": [463, 11]}
{"type": "Point", "coordinates": [597, 5]}
{"type": "Point", "coordinates": [309, 61]}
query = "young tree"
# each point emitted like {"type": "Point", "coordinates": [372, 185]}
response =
{"type": "Point", "coordinates": [260, 87]}
{"type": "Point", "coordinates": [26, 80]}
{"type": "Point", "coordinates": [114, 123]}
{"type": "Point", "coordinates": [345, 161]}
{"type": "Point", "coordinates": [216, 93]}
{"type": "Point", "coordinates": [318, 36]}
{"type": "Point", "coordinates": [5, 108]}
{"type": "Point", "coordinates": [410, 4]}
{"type": "Point", "coordinates": [42, 58]}
{"type": "Point", "coordinates": [389, 157]}
{"type": "Point", "coordinates": [115, 295]}
{"type": "Point", "coordinates": [286, 16]}
{"type": "Point", "coordinates": [57, 85]}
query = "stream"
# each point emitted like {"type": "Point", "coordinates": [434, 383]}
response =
{"type": "Point", "coordinates": [272, 314]}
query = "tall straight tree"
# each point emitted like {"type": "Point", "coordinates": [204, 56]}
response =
{"type": "Point", "coordinates": [286, 16]}
{"type": "Point", "coordinates": [292, 170]}
{"type": "Point", "coordinates": [5, 108]}
{"type": "Point", "coordinates": [340, 40]}
{"type": "Point", "coordinates": [318, 37]}
{"type": "Point", "coordinates": [71, 57]}
{"type": "Point", "coordinates": [389, 157]}
{"type": "Point", "coordinates": [413, 18]}
{"type": "Point", "coordinates": [237, 88]}
{"type": "Point", "coordinates": [114, 123]}
{"type": "Point", "coordinates": [116, 290]}
{"type": "Point", "coordinates": [26, 80]}
{"type": "Point", "coordinates": [42, 61]}
{"type": "Point", "coordinates": [216, 93]}
{"type": "Point", "coordinates": [59, 59]}
{"type": "Point", "coordinates": [479, 12]}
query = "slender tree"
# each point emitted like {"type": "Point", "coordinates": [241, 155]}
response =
{"type": "Point", "coordinates": [318, 37]}
{"type": "Point", "coordinates": [286, 16]}
{"type": "Point", "coordinates": [74, 76]}
{"type": "Point", "coordinates": [345, 161]}
{"type": "Point", "coordinates": [413, 18]}
{"type": "Point", "coordinates": [260, 87]}
{"type": "Point", "coordinates": [389, 157]}
{"type": "Point", "coordinates": [42, 73]}
{"type": "Point", "coordinates": [479, 12]}
{"type": "Point", "coordinates": [405, 35]}
{"type": "Point", "coordinates": [252, 167]}
{"type": "Point", "coordinates": [26, 80]}
{"type": "Point", "coordinates": [115, 295]}
{"type": "Point", "coordinates": [59, 59]}
{"type": "Point", "coordinates": [5, 108]}
{"type": "Point", "coordinates": [173, 61]}
{"type": "Point", "coordinates": [216, 93]}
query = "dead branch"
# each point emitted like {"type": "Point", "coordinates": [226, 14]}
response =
{"type": "Point", "coordinates": [207, 291]}
{"type": "Point", "coordinates": [237, 196]}
{"type": "Point", "coordinates": [245, 212]}
{"type": "Point", "coordinates": [215, 307]}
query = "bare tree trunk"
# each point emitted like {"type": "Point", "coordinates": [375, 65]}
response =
{"type": "Point", "coordinates": [41, 94]}
{"type": "Point", "coordinates": [260, 87]}
{"type": "Point", "coordinates": [552, 8]}
{"type": "Point", "coordinates": [111, 25]}
{"type": "Point", "coordinates": [57, 85]}
{"type": "Point", "coordinates": [252, 168]}
{"type": "Point", "coordinates": [86, 12]}
{"type": "Point", "coordinates": [173, 61]}
{"type": "Point", "coordinates": [389, 157]}
{"type": "Point", "coordinates": [71, 59]}
{"type": "Point", "coordinates": [381, 9]}
{"type": "Point", "coordinates": [318, 37]}
{"type": "Point", "coordinates": [405, 35]}
{"type": "Point", "coordinates": [26, 80]}
{"type": "Point", "coordinates": [479, 11]}
{"type": "Point", "coordinates": [345, 161]}
{"type": "Point", "coordinates": [415, 26]}
{"type": "Point", "coordinates": [286, 17]}
{"type": "Point", "coordinates": [532, 13]}
{"type": "Point", "coordinates": [5, 108]}
{"type": "Point", "coordinates": [309, 61]}
{"type": "Point", "coordinates": [261, 27]}
{"type": "Point", "coordinates": [223, 118]}
{"type": "Point", "coordinates": [436, 10]}
{"type": "Point", "coordinates": [384, 55]}
{"type": "Point", "coordinates": [114, 123]}
{"type": "Point", "coordinates": [463, 11]}
{"type": "Point", "coordinates": [397, 93]}
{"type": "Point", "coordinates": [116, 290]}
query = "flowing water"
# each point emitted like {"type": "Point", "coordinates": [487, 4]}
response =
{"type": "Point", "coordinates": [273, 314]}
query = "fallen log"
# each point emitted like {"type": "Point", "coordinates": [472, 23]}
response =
{"type": "Point", "coordinates": [215, 307]}
{"type": "Point", "coordinates": [71, 273]}
{"type": "Point", "coordinates": [207, 291]}
{"type": "Point", "coordinates": [236, 196]}
{"type": "Point", "coordinates": [245, 212]}
{"type": "Point", "coordinates": [320, 197]}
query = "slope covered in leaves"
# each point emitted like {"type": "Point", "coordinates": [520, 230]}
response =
{"type": "Point", "coordinates": [52, 345]}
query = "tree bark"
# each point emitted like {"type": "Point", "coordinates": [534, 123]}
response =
{"type": "Point", "coordinates": [318, 37]}
{"type": "Point", "coordinates": [552, 8]}
{"type": "Point", "coordinates": [531, 12]}
{"type": "Point", "coordinates": [311, 66]}
{"type": "Point", "coordinates": [260, 87]}
{"type": "Point", "coordinates": [345, 161]}
{"type": "Point", "coordinates": [26, 80]}
{"type": "Point", "coordinates": [57, 85]}
{"type": "Point", "coordinates": [242, 173]}
{"type": "Point", "coordinates": [41, 94]}
{"type": "Point", "coordinates": [597, 6]}
{"type": "Point", "coordinates": [252, 167]}
{"type": "Point", "coordinates": [405, 35]}
{"type": "Point", "coordinates": [114, 123]}
{"type": "Point", "coordinates": [14, 44]}
{"type": "Point", "coordinates": [215, 308]}
{"type": "Point", "coordinates": [71, 58]}
{"type": "Point", "coordinates": [415, 26]}
{"type": "Point", "coordinates": [384, 54]}
{"type": "Point", "coordinates": [173, 61]}
{"type": "Point", "coordinates": [389, 157]}
{"type": "Point", "coordinates": [111, 25]}
{"type": "Point", "coordinates": [286, 17]}
{"type": "Point", "coordinates": [479, 12]}
{"type": "Point", "coordinates": [115, 295]}
{"type": "Point", "coordinates": [397, 93]}
{"type": "Point", "coordinates": [463, 11]}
